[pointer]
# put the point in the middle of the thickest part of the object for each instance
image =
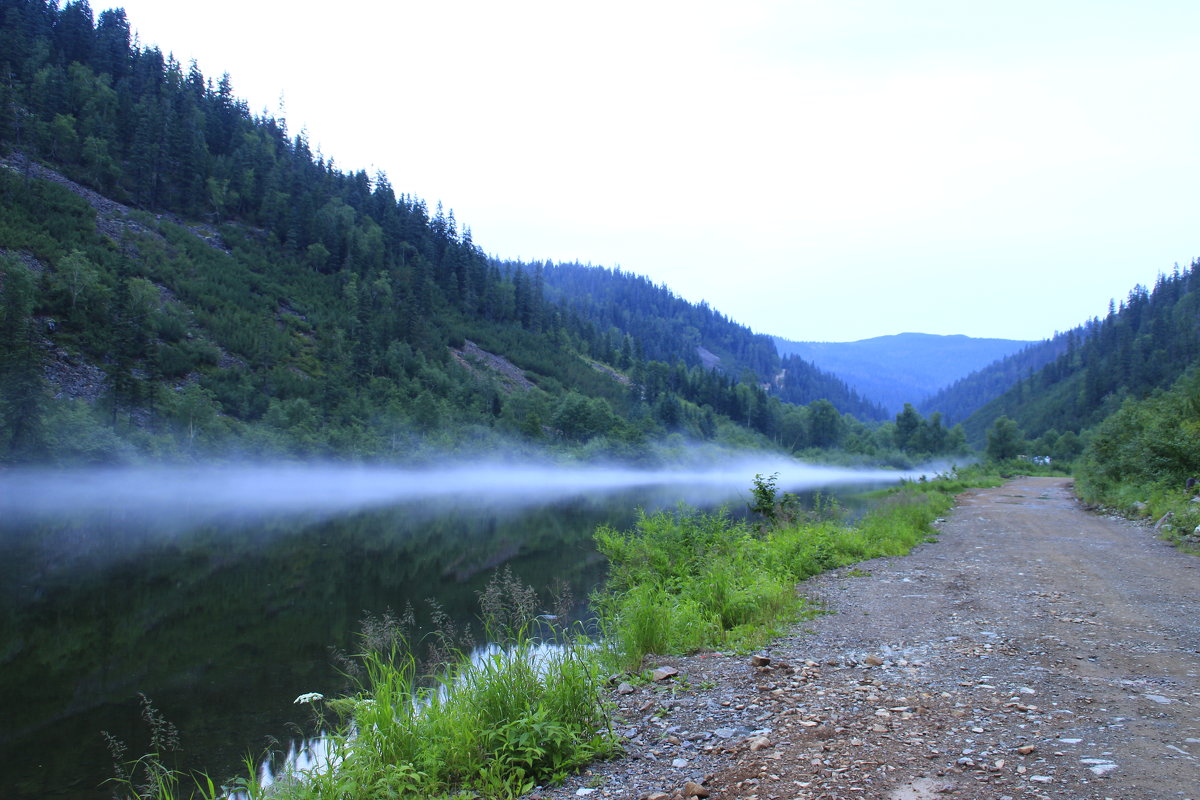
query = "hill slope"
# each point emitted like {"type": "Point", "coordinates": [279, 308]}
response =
{"type": "Point", "coordinates": [903, 368]}
{"type": "Point", "coordinates": [968, 394]}
{"type": "Point", "coordinates": [181, 278]}
{"type": "Point", "coordinates": [1143, 345]}
{"type": "Point", "coordinates": [652, 321]}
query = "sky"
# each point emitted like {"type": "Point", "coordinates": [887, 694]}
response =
{"type": "Point", "coordinates": [826, 171]}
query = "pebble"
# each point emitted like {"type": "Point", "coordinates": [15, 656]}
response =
{"type": "Point", "coordinates": [1099, 766]}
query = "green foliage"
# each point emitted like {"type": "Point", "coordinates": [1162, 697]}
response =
{"type": "Point", "coordinates": [1147, 448]}
{"type": "Point", "coordinates": [961, 399]}
{"type": "Point", "coordinates": [151, 776]}
{"type": "Point", "coordinates": [644, 322]}
{"type": "Point", "coordinates": [326, 314]}
{"type": "Point", "coordinates": [682, 581]}
{"type": "Point", "coordinates": [650, 619]}
{"type": "Point", "coordinates": [764, 496]}
{"type": "Point", "coordinates": [516, 715]}
{"type": "Point", "coordinates": [1143, 344]}
{"type": "Point", "coordinates": [23, 394]}
{"type": "Point", "coordinates": [1005, 441]}
{"type": "Point", "coordinates": [926, 438]}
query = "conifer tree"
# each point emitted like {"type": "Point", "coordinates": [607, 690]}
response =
{"type": "Point", "coordinates": [22, 383]}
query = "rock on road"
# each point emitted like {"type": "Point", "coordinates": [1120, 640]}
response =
{"type": "Point", "coordinates": [1034, 651]}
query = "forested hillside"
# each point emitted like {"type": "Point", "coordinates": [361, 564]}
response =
{"type": "Point", "coordinates": [644, 319]}
{"type": "Point", "coordinates": [1144, 344]}
{"type": "Point", "coordinates": [666, 326]}
{"type": "Point", "coordinates": [179, 277]}
{"type": "Point", "coordinates": [967, 395]}
{"type": "Point", "coordinates": [801, 382]}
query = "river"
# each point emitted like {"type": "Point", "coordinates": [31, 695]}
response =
{"type": "Point", "coordinates": [221, 593]}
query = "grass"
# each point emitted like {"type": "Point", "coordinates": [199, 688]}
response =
{"type": "Point", "coordinates": [495, 723]}
{"type": "Point", "coordinates": [684, 581]}
{"type": "Point", "coordinates": [1154, 501]}
{"type": "Point", "coordinates": [152, 776]}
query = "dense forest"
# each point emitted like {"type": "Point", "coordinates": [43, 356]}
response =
{"type": "Point", "coordinates": [664, 325]}
{"type": "Point", "coordinates": [181, 278]}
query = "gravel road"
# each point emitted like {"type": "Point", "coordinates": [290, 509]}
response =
{"type": "Point", "coordinates": [1036, 650]}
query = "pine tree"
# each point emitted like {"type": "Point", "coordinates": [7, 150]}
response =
{"type": "Point", "coordinates": [23, 392]}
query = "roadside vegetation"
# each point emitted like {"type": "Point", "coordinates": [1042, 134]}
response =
{"type": "Point", "coordinates": [524, 711]}
{"type": "Point", "coordinates": [685, 580]}
{"type": "Point", "coordinates": [1139, 460]}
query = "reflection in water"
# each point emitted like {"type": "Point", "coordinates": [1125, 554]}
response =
{"type": "Point", "coordinates": [196, 588]}
{"type": "Point", "coordinates": [308, 755]}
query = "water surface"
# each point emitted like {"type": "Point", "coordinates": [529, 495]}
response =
{"type": "Point", "coordinates": [221, 592]}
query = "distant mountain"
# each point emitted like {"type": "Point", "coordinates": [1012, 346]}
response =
{"type": "Point", "coordinates": [903, 368]}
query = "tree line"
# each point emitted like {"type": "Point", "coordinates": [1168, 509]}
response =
{"type": "Point", "coordinates": [1142, 345]}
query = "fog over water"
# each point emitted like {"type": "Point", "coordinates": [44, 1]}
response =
{"type": "Point", "coordinates": [196, 494]}
{"type": "Point", "coordinates": [218, 590]}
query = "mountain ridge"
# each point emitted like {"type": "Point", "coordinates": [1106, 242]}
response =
{"type": "Point", "coordinates": [901, 368]}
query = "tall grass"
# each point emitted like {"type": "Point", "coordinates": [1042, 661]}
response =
{"type": "Point", "coordinates": [522, 712]}
{"type": "Point", "coordinates": [683, 580]}
{"type": "Point", "coordinates": [152, 775]}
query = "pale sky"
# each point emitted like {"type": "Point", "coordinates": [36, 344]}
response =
{"type": "Point", "coordinates": [816, 170]}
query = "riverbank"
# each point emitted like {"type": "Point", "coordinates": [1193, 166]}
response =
{"type": "Point", "coordinates": [1034, 651]}
{"type": "Point", "coordinates": [518, 715]}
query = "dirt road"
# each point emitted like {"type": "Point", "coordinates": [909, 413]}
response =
{"type": "Point", "coordinates": [1034, 651]}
